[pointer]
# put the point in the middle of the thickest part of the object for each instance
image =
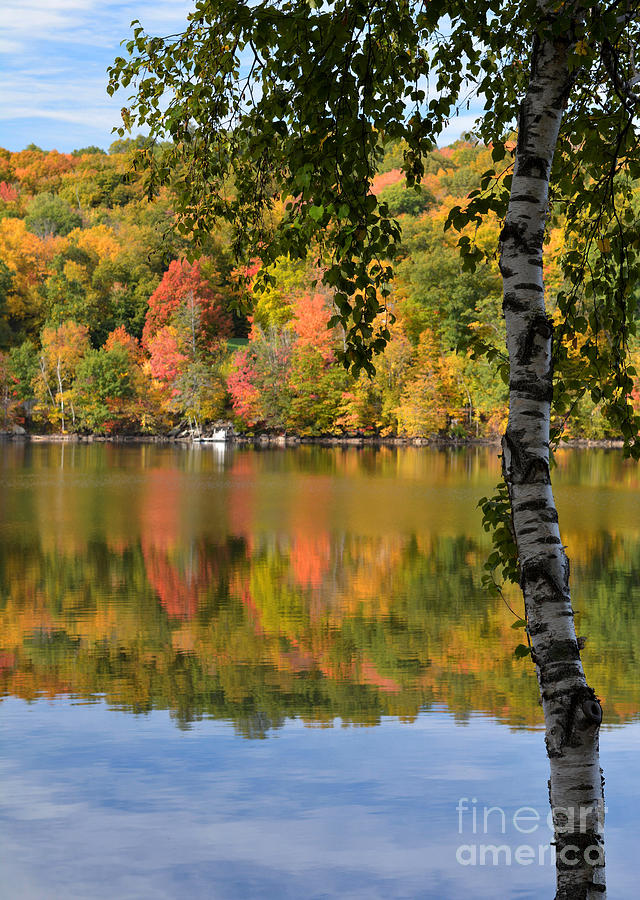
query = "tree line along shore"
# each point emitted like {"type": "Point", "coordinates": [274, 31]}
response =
{"type": "Point", "coordinates": [111, 327]}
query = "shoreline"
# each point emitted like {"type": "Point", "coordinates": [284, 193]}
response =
{"type": "Point", "coordinates": [288, 441]}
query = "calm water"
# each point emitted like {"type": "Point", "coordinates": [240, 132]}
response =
{"type": "Point", "coordinates": [256, 674]}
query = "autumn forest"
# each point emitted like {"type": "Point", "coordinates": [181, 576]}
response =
{"type": "Point", "coordinates": [109, 324]}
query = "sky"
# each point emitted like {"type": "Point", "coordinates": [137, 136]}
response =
{"type": "Point", "coordinates": [54, 56]}
{"type": "Point", "coordinates": [53, 67]}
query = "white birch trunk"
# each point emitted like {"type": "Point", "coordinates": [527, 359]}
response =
{"type": "Point", "coordinates": [572, 713]}
{"type": "Point", "coordinates": [45, 378]}
{"type": "Point", "coordinates": [60, 388]}
{"type": "Point", "coordinates": [5, 404]}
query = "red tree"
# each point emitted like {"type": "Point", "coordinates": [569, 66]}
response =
{"type": "Point", "coordinates": [186, 301]}
{"type": "Point", "coordinates": [7, 192]}
{"type": "Point", "coordinates": [311, 314]}
{"type": "Point", "coordinates": [165, 358]}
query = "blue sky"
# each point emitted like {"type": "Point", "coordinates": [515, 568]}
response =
{"type": "Point", "coordinates": [53, 60]}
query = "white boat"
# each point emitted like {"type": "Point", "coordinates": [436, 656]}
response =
{"type": "Point", "coordinates": [217, 436]}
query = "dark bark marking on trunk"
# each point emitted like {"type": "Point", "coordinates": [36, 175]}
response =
{"type": "Point", "coordinates": [581, 840]}
{"type": "Point", "coordinates": [516, 231]}
{"type": "Point", "coordinates": [524, 468]}
{"type": "Point", "coordinates": [592, 710]}
{"type": "Point", "coordinates": [510, 303]}
{"type": "Point", "coordinates": [533, 167]}
{"type": "Point", "coordinates": [548, 514]}
{"type": "Point", "coordinates": [525, 198]}
{"type": "Point", "coordinates": [539, 326]}
{"type": "Point", "coordinates": [512, 231]}
{"type": "Point", "coordinates": [550, 696]}
{"type": "Point", "coordinates": [561, 671]}
{"type": "Point", "coordinates": [533, 390]}
{"type": "Point", "coordinates": [552, 518]}
{"type": "Point", "coordinates": [535, 630]}
{"type": "Point", "coordinates": [531, 506]}
{"type": "Point", "coordinates": [584, 714]}
{"type": "Point", "coordinates": [505, 271]}
{"type": "Point", "coordinates": [562, 651]}
{"type": "Point", "coordinates": [537, 570]}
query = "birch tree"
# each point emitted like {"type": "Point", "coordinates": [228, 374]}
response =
{"type": "Point", "coordinates": [62, 350]}
{"type": "Point", "coordinates": [572, 712]}
{"type": "Point", "coordinates": [290, 103]}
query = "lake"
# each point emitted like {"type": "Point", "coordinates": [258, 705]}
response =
{"type": "Point", "coordinates": [243, 673]}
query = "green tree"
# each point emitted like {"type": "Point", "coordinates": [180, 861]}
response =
{"type": "Point", "coordinates": [6, 282]}
{"type": "Point", "coordinates": [103, 380]}
{"type": "Point", "coordinates": [403, 202]}
{"type": "Point", "coordinates": [66, 292]}
{"type": "Point", "coordinates": [24, 365]}
{"type": "Point", "coordinates": [199, 391]}
{"type": "Point", "coordinates": [62, 351]}
{"type": "Point", "coordinates": [88, 151]}
{"type": "Point", "coordinates": [436, 288]}
{"type": "Point", "coordinates": [49, 214]}
{"type": "Point", "coordinates": [315, 391]}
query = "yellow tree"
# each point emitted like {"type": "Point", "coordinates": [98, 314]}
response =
{"type": "Point", "coordinates": [28, 258]}
{"type": "Point", "coordinates": [434, 396]}
{"type": "Point", "coordinates": [62, 350]}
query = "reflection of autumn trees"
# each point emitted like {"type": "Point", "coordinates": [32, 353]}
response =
{"type": "Point", "coordinates": [337, 626]}
{"type": "Point", "coordinates": [279, 584]}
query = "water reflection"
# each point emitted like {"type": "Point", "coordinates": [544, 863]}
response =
{"type": "Point", "coordinates": [253, 586]}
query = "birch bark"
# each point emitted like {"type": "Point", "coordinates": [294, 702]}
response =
{"type": "Point", "coordinates": [60, 388]}
{"type": "Point", "coordinates": [572, 713]}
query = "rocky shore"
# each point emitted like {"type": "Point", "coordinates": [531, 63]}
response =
{"type": "Point", "coordinates": [185, 436]}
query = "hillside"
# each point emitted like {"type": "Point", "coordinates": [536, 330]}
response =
{"type": "Point", "coordinates": [108, 324]}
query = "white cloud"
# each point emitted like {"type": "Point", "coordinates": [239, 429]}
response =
{"type": "Point", "coordinates": [85, 21]}
{"type": "Point", "coordinates": [26, 22]}
{"type": "Point", "coordinates": [53, 58]}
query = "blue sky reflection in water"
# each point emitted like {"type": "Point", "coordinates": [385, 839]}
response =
{"type": "Point", "coordinates": [98, 802]}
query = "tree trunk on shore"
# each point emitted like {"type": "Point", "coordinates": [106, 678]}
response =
{"type": "Point", "coordinates": [61, 390]}
{"type": "Point", "coordinates": [572, 713]}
